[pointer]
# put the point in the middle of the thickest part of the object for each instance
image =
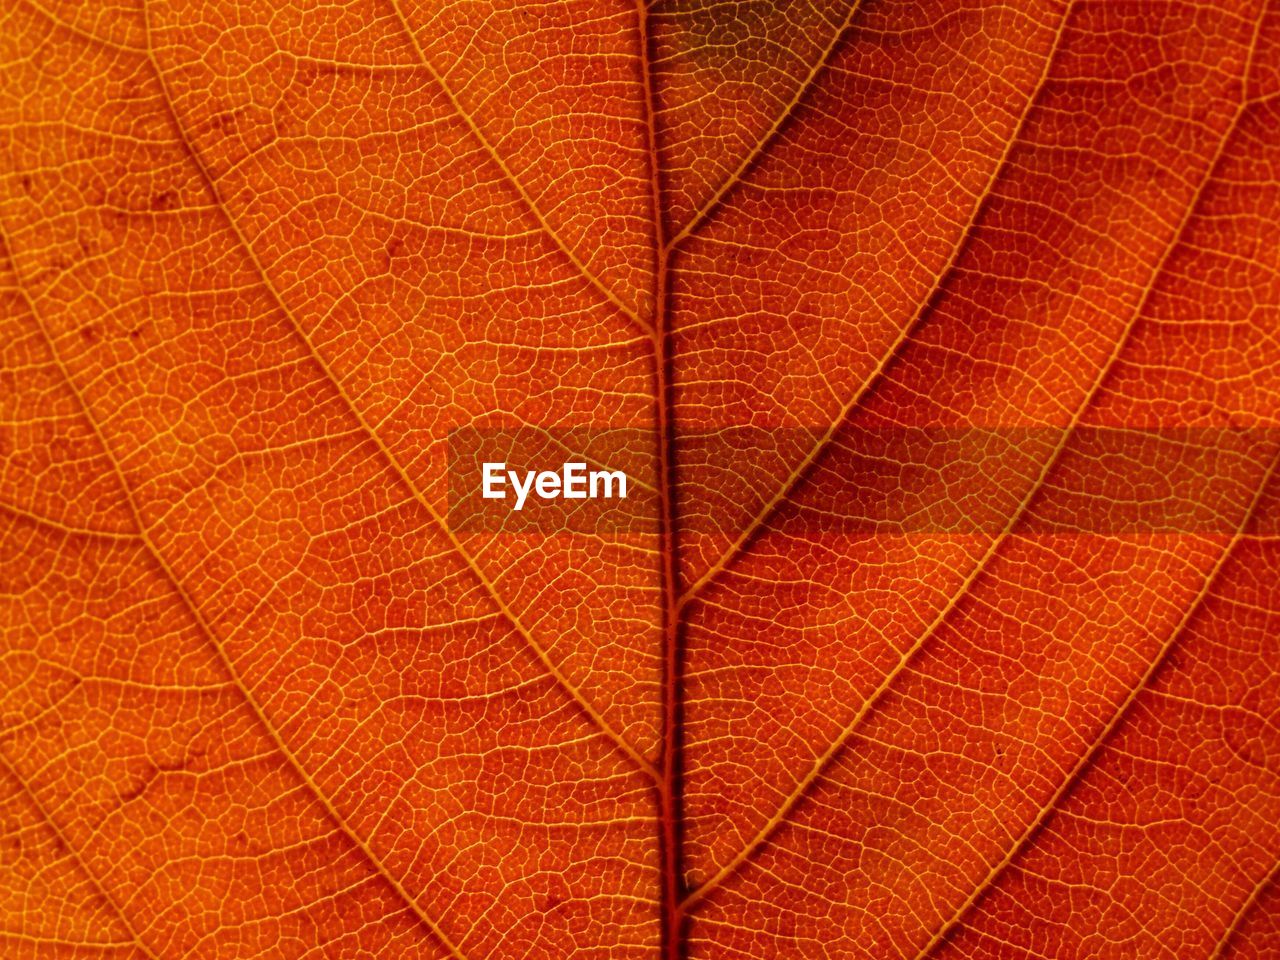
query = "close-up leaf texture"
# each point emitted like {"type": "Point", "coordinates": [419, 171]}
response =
{"type": "Point", "coordinates": [264, 695]}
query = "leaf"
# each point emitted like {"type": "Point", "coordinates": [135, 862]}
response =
{"type": "Point", "coordinates": [902, 307]}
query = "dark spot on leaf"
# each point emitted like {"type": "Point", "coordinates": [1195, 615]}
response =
{"type": "Point", "coordinates": [728, 24]}
{"type": "Point", "coordinates": [134, 792]}
{"type": "Point", "coordinates": [392, 250]}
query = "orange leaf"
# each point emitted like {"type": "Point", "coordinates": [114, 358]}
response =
{"type": "Point", "coordinates": [937, 341]}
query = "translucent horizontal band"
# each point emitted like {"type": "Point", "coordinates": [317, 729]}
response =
{"type": "Point", "coordinates": [872, 480]}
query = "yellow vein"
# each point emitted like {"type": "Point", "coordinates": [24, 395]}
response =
{"type": "Point", "coordinates": [67, 529]}
{"type": "Point", "coordinates": [104, 946]}
{"type": "Point", "coordinates": [784, 491]}
{"type": "Point", "coordinates": [1237, 920]}
{"type": "Point", "coordinates": [802, 89]}
{"type": "Point", "coordinates": [388, 455]}
{"type": "Point", "coordinates": [82, 34]}
{"type": "Point", "coordinates": [1087, 758]}
{"type": "Point", "coordinates": [206, 628]}
{"type": "Point", "coordinates": [507, 172]}
{"type": "Point", "coordinates": [820, 765]}
{"type": "Point", "coordinates": [75, 855]}
{"type": "Point", "coordinates": [241, 685]}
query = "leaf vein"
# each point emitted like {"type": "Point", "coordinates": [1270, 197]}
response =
{"type": "Point", "coordinates": [1247, 906]}
{"type": "Point", "coordinates": [80, 862]}
{"type": "Point", "coordinates": [509, 174]}
{"type": "Point", "coordinates": [798, 473]}
{"type": "Point", "coordinates": [828, 756]}
{"type": "Point", "coordinates": [207, 629]}
{"type": "Point", "coordinates": [398, 469]}
{"type": "Point", "coordinates": [768, 136]}
{"type": "Point", "coordinates": [1094, 750]}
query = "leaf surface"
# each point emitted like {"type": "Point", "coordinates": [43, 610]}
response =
{"type": "Point", "coordinates": [833, 266]}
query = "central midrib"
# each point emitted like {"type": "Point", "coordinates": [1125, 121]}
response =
{"type": "Point", "coordinates": [668, 787]}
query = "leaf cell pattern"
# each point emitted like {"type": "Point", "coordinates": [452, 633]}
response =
{"type": "Point", "coordinates": [259, 697]}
